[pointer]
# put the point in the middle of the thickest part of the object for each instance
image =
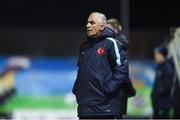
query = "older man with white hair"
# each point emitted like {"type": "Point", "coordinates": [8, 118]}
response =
{"type": "Point", "coordinates": [102, 70]}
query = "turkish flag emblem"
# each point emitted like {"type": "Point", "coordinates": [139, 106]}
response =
{"type": "Point", "coordinates": [101, 51]}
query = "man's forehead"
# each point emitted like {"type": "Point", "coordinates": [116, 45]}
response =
{"type": "Point", "coordinates": [94, 18]}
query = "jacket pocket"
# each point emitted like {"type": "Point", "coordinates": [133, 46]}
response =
{"type": "Point", "coordinates": [111, 107]}
{"type": "Point", "coordinates": [96, 82]}
{"type": "Point", "coordinates": [104, 107]}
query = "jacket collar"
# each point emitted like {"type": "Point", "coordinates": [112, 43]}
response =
{"type": "Point", "coordinates": [107, 32]}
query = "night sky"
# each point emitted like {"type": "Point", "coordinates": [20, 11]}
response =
{"type": "Point", "coordinates": [73, 13]}
{"type": "Point", "coordinates": [54, 25]}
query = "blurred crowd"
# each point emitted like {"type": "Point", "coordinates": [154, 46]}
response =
{"type": "Point", "coordinates": [165, 95]}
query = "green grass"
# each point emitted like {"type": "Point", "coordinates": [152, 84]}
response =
{"type": "Point", "coordinates": [36, 102]}
{"type": "Point", "coordinates": [136, 105]}
{"type": "Point", "coordinates": [141, 103]}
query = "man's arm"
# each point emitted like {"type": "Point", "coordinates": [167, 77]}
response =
{"type": "Point", "coordinates": [119, 68]}
{"type": "Point", "coordinates": [167, 79]}
{"type": "Point", "coordinates": [74, 89]}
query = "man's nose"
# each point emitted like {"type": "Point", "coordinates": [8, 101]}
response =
{"type": "Point", "coordinates": [88, 25]}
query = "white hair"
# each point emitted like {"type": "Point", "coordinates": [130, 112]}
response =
{"type": "Point", "coordinates": [102, 17]}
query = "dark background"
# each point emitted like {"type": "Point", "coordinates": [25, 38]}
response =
{"type": "Point", "coordinates": [57, 27]}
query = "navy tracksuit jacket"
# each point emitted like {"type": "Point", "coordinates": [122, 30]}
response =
{"type": "Point", "coordinates": [161, 92]}
{"type": "Point", "coordinates": [102, 70]}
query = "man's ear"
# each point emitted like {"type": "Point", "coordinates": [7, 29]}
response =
{"type": "Point", "coordinates": [102, 27]}
{"type": "Point", "coordinates": [120, 28]}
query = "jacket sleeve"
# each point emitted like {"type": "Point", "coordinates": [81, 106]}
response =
{"type": "Point", "coordinates": [118, 66]}
{"type": "Point", "coordinates": [167, 77]}
{"type": "Point", "coordinates": [74, 89]}
{"type": "Point", "coordinates": [162, 85]}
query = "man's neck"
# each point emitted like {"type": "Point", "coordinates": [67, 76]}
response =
{"type": "Point", "coordinates": [94, 36]}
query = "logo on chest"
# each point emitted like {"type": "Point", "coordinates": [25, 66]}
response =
{"type": "Point", "coordinates": [101, 51]}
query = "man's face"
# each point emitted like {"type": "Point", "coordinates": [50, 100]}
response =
{"type": "Point", "coordinates": [94, 27]}
{"type": "Point", "coordinates": [159, 58]}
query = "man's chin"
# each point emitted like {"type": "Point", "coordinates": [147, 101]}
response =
{"type": "Point", "coordinates": [90, 35]}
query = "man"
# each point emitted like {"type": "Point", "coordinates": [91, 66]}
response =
{"type": "Point", "coordinates": [127, 90]}
{"type": "Point", "coordinates": [101, 72]}
{"type": "Point", "coordinates": [115, 25]}
{"type": "Point", "coordinates": [161, 93]}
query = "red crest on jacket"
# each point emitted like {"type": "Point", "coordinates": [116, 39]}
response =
{"type": "Point", "coordinates": [101, 51]}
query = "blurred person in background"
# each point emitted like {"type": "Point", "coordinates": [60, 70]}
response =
{"type": "Point", "coordinates": [176, 98]}
{"type": "Point", "coordinates": [7, 83]}
{"type": "Point", "coordinates": [175, 89]}
{"type": "Point", "coordinates": [7, 89]}
{"type": "Point", "coordinates": [175, 36]}
{"type": "Point", "coordinates": [161, 92]}
{"type": "Point", "coordinates": [115, 25]}
{"type": "Point", "coordinates": [127, 90]}
{"type": "Point", "coordinates": [101, 71]}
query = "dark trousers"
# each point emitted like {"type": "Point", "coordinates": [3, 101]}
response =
{"type": "Point", "coordinates": [101, 117]}
{"type": "Point", "coordinates": [176, 114]}
{"type": "Point", "coordinates": [161, 113]}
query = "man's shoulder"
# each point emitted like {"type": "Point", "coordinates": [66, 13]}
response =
{"type": "Point", "coordinates": [169, 64]}
{"type": "Point", "coordinates": [123, 40]}
{"type": "Point", "coordinates": [110, 39]}
{"type": "Point", "coordinates": [121, 36]}
{"type": "Point", "coordinates": [113, 41]}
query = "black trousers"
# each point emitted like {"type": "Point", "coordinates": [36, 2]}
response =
{"type": "Point", "coordinates": [102, 117]}
{"type": "Point", "coordinates": [176, 114]}
{"type": "Point", "coordinates": [161, 114]}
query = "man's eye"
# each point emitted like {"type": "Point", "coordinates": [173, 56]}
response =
{"type": "Point", "coordinates": [92, 22]}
